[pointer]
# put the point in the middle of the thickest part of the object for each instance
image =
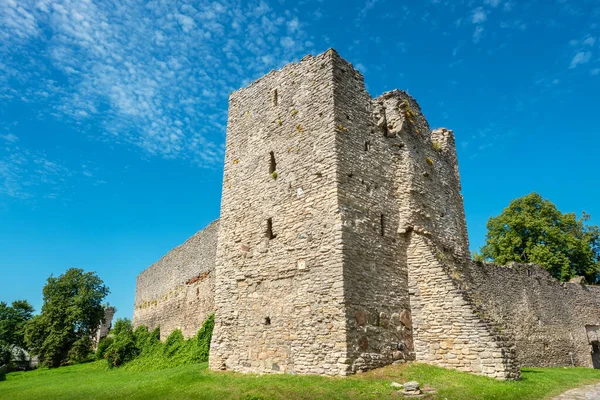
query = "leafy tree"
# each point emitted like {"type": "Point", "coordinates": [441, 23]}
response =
{"type": "Point", "coordinates": [70, 317]}
{"type": "Point", "coordinates": [533, 230]}
{"type": "Point", "coordinates": [12, 327]}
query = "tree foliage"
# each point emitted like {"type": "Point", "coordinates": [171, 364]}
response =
{"type": "Point", "coordinates": [12, 328]}
{"type": "Point", "coordinates": [532, 230]}
{"type": "Point", "coordinates": [70, 317]}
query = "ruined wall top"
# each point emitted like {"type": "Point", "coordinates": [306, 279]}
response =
{"type": "Point", "coordinates": [432, 202]}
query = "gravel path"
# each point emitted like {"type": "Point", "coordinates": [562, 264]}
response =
{"type": "Point", "coordinates": [590, 392]}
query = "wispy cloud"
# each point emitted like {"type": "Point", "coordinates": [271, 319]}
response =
{"type": "Point", "coordinates": [24, 173]}
{"type": "Point", "coordinates": [9, 137]}
{"type": "Point", "coordinates": [154, 75]}
{"type": "Point", "coordinates": [369, 4]}
{"type": "Point", "coordinates": [582, 57]}
{"type": "Point", "coordinates": [477, 34]}
{"type": "Point", "coordinates": [493, 3]}
{"type": "Point", "coordinates": [585, 50]}
{"type": "Point", "coordinates": [478, 16]}
{"type": "Point", "coordinates": [27, 174]}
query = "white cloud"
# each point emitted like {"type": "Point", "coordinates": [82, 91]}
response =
{"type": "Point", "coordinates": [25, 174]}
{"type": "Point", "coordinates": [287, 42]}
{"type": "Point", "coordinates": [9, 137]}
{"type": "Point", "coordinates": [477, 34]}
{"type": "Point", "coordinates": [156, 75]}
{"type": "Point", "coordinates": [580, 58]}
{"type": "Point", "coordinates": [293, 25]}
{"type": "Point", "coordinates": [493, 3]}
{"type": "Point", "coordinates": [369, 4]}
{"type": "Point", "coordinates": [478, 16]}
{"type": "Point", "coordinates": [17, 21]}
{"type": "Point", "coordinates": [590, 41]}
{"type": "Point", "coordinates": [187, 23]}
{"type": "Point", "coordinates": [595, 71]}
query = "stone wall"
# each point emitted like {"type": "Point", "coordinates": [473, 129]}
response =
{"type": "Point", "coordinates": [430, 226]}
{"type": "Point", "coordinates": [399, 186]}
{"type": "Point", "coordinates": [279, 284]}
{"type": "Point", "coordinates": [450, 330]}
{"type": "Point", "coordinates": [177, 292]}
{"type": "Point", "coordinates": [546, 318]}
{"type": "Point", "coordinates": [374, 257]}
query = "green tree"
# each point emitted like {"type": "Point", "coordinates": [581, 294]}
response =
{"type": "Point", "coordinates": [70, 317]}
{"type": "Point", "coordinates": [533, 230]}
{"type": "Point", "coordinates": [12, 328]}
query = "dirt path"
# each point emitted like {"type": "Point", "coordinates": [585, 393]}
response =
{"type": "Point", "coordinates": [590, 392]}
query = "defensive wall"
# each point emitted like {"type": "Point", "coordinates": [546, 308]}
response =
{"type": "Point", "coordinates": [177, 291]}
{"type": "Point", "coordinates": [342, 246]}
{"type": "Point", "coordinates": [552, 323]}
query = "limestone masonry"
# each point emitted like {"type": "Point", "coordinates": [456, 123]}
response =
{"type": "Point", "coordinates": [342, 246]}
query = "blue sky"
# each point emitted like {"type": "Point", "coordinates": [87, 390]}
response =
{"type": "Point", "coordinates": [113, 113]}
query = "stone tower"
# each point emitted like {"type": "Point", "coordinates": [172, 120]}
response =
{"type": "Point", "coordinates": [340, 215]}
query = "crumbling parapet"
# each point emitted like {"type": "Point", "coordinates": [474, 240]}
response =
{"type": "Point", "coordinates": [105, 325]}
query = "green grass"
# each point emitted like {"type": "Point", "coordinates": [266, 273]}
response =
{"type": "Point", "coordinates": [96, 381]}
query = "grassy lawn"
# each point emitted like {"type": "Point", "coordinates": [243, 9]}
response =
{"type": "Point", "coordinates": [95, 381]}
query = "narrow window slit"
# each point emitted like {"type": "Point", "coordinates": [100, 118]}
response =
{"type": "Point", "coordinates": [269, 233]}
{"type": "Point", "coordinates": [367, 145]}
{"type": "Point", "coordinates": [275, 99]}
{"type": "Point", "coordinates": [272, 163]}
{"type": "Point", "coordinates": [382, 227]}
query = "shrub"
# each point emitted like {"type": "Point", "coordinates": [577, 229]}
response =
{"type": "Point", "coordinates": [145, 340]}
{"type": "Point", "coordinates": [103, 346]}
{"type": "Point", "coordinates": [122, 324]}
{"type": "Point", "coordinates": [142, 350]}
{"type": "Point", "coordinates": [174, 343]}
{"type": "Point", "coordinates": [123, 347]}
{"type": "Point", "coordinates": [174, 351]}
{"type": "Point", "coordinates": [202, 340]}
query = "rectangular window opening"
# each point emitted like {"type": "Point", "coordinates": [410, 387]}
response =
{"type": "Point", "coordinates": [272, 163]}
{"type": "Point", "coordinates": [270, 234]}
{"type": "Point", "coordinates": [382, 222]}
{"type": "Point", "coordinates": [275, 99]}
{"type": "Point", "coordinates": [367, 146]}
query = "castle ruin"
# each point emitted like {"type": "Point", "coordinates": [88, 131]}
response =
{"type": "Point", "coordinates": [342, 246]}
